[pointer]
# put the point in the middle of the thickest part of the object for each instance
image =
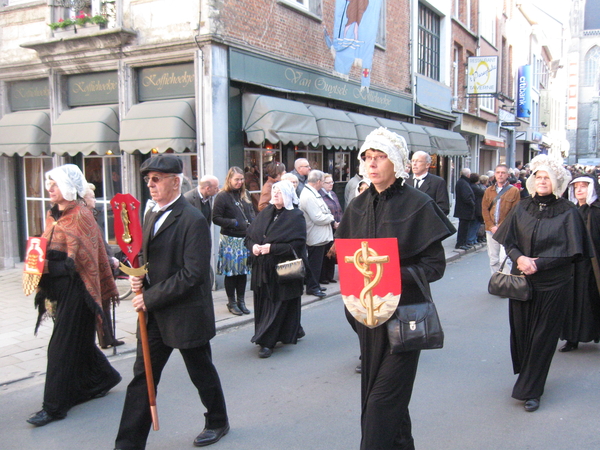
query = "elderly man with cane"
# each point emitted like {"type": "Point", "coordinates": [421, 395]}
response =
{"type": "Point", "coordinates": [177, 299]}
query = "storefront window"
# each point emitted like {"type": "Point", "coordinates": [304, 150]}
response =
{"type": "Point", "coordinates": [315, 158]}
{"type": "Point", "coordinates": [341, 168]}
{"type": "Point", "coordinates": [104, 172]}
{"type": "Point", "coordinates": [36, 197]}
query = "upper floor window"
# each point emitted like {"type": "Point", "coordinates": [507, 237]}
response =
{"type": "Point", "coordinates": [488, 103]}
{"type": "Point", "coordinates": [314, 7]}
{"type": "Point", "coordinates": [429, 43]}
{"type": "Point", "coordinates": [63, 9]}
{"type": "Point", "coordinates": [487, 25]}
{"type": "Point", "coordinates": [592, 67]}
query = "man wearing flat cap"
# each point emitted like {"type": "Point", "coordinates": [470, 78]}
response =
{"type": "Point", "coordinates": [178, 303]}
{"type": "Point", "coordinates": [390, 208]}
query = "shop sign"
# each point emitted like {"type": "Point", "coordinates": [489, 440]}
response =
{"type": "Point", "coordinates": [160, 83]}
{"type": "Point", "coordinates": [29, 95]}
{"type": "Point", "coordinates": [99, 88]}
{"type": "Point", "coordinates": [482, 75]}
{"type": "Point", "coordinates": [266, 72]}
{"type": "Point", "coordinates": [524, 92]}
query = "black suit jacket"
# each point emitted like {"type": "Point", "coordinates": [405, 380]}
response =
{"type": "Point", "coordinates": [177, 287]}
{"type": "Point", "coordinates": [435, 187]}
{"type": "Point", "coordinates": [195, 199]}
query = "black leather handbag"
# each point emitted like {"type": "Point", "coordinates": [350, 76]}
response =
{"type": "Point", "coordinates": [291, 270]}
{"type": "Point", "coordinates": [507, 285]}
{"type": "Point", "coordinates": [416, 326]}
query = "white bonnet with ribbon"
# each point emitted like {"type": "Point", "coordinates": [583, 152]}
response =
{"type": "Point", "coordinates": [70, 181]}
{"type": "Point", "coordinates": [390, 143]}
{"type": "Point", "coordinates": [556, 171]}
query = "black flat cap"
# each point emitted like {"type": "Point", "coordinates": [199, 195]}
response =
{"type": "Point", "coordinates": [162, 163]}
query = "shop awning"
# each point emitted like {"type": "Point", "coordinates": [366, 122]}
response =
{"type": "Point", "coordinates": [86, 129]}
{"type": "Point", "coordinates": [335, 127]}
{"type": "Point", "coordinates": [493, 141]}
{"type": "Point", "coordinates": [25, 132]}
{"type": "Point", "coordinates": [447, 143]}
{"type": "Point", "coordinates": [275, 120]}
{"type": "Point", "coordinates": [419, 138]}
{"type": "Point", "coordinates": [160, 125]}
{"type": "Point", "coordinates": [364, 125]}
{"type": "Point", "coordinates": [397, 127]}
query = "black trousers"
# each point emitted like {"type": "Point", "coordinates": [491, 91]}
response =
{"type": "Point", "coordinates": [463, 231]}
{"type": "Point", "coordinates": [328, 269]}
{"type": "Point", "coordinates": [386, 384]}
{"type": "Point", "coordinates": [136, 418]}
{"type": "Point", "coordinates": [315, 262]}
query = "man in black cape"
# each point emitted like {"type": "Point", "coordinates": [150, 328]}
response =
{"type": "Point", "coordinates": [391, 208]}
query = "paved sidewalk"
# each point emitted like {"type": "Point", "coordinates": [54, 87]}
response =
{"type": "Point", "coordinates": [23, 355]}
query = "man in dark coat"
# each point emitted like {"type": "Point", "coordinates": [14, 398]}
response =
{"type": "Point", "coordinates": [208, 186]}
{"type": "Point", "coordinates": [301, 170]}
{"type": "Point", "coordinates": [429, 183]}
{"type": "Point", "coordinates": [178, 303]}
{"type": "Point", "coordinates": [391, 208]}
{"type": "Point", "coordinates": [464, 208]}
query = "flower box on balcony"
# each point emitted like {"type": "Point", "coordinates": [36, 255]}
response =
{"type": "Point", "coordinates": [64, 32]}
{"type": "Point", "coordinates": [88, 29]}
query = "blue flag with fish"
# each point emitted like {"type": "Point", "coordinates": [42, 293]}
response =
{"type": "Point", "coordinates": [355, 30]}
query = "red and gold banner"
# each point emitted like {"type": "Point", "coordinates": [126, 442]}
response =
{"type": "Point", "coordinates": [369, 278]}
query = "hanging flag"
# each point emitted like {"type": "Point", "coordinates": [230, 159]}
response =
{"type": "Point", "coordinates": [355, 30]}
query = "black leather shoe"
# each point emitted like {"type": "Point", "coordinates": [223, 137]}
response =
{"type": "Point", "coordinates": [301, 333]}
{"type": "Point", "coordinates": [320, 294]}
{"type": "Point", "coordinates": [323, 281]}
{"type": "Point", "coordinates": [41, 418]}
{"type": "Point", "coordinates": [532, 404]}
{"type": "Point", "coordinates": [569, 346]}
{"type": "Point", "coordinates": [333, 280]}
{"type": "Point", "coordinates": [210, 436]}
{"type": "Point", "coordinates": [265, 352]}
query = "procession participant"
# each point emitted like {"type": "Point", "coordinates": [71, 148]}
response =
{"type": "Point", "coordinates": [543, 235]}
{"type": "Point", "coordinates": [178, 301]}
{"type": "Point", "coordinates": [277, 232]}
{"type": "Point", "coordinates": [78, 280]}
{"type": "Point", "coordinates": [106, 334]}
{"type": "Point", "coordinates": [582, 321]}
{"type": "Point", "coordinates": [391, 208]}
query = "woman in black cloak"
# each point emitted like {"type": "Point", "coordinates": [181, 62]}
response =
{"type": "Point", "coordinates": [77, 281]}
{"type": "Point", "coordinates": [543, 236]}
{"type": "Point", "coordinates": [278, 231]}
{"type": "Point", "coordinates": [582, 323]}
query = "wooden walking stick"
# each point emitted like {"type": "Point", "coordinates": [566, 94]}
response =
{"type": "Point", "coordinates": [128, 233]}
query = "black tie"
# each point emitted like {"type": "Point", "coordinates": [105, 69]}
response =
{"type": "Point", "coordinates": [154, 218]}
